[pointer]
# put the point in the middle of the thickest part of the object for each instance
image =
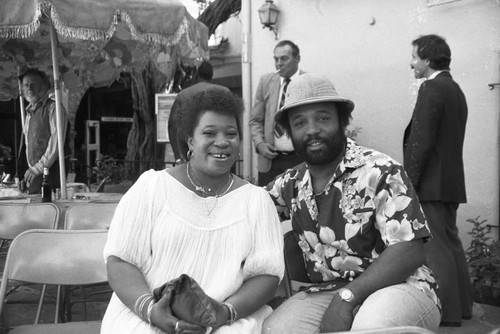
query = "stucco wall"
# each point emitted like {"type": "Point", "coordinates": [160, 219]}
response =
{"type": "Point", "coordinates": [365, 48]}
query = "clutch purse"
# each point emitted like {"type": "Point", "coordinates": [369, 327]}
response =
{"type": "Point", "coordinates": [189, 302]}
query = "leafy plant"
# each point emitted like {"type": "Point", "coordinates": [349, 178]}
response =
{"type": "Point", "coordinates": [483, 256]}
{"type": "Point", "coordinates": [108, 168]}
{"type": "Point", "coordinates": [5, 153]}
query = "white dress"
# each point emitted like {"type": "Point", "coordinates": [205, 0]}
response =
{"type": "Point", "coordinates": [165, 230]}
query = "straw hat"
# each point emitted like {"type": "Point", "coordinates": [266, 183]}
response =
{"type": "Point", "coordinates": [310, 88]}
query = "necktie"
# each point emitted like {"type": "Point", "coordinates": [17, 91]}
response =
{"type": "Point", "coordinates": [278, 130]}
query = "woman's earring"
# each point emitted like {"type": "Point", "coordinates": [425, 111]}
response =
{"type": "Point", "coordinates": [189, 153]}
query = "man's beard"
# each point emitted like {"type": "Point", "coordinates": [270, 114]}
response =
{"type": "Point", "coordinates": [334, 145]}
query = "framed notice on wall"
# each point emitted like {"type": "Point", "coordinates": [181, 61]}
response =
{"type": "Point", "coordinates": [163, 105]}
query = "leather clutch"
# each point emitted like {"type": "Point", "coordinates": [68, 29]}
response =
{"type": "Point", "coordinates": [189, 302]}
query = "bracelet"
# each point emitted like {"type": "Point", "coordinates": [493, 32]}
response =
{"type": "Point", "coordinates": [232, 313]}
{"type": "Point", "coordinates": [147, 300]}
{"type": "Point", "coordinates": [150, 310]}
{"type": "Point", "coordinates": [140, 303]}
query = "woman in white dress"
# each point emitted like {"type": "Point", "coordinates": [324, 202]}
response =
{"type": "Point", "coordinates": [197, 219]}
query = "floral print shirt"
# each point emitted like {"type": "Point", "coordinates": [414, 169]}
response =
{"type": "Point", "coordinates": [368, 205]}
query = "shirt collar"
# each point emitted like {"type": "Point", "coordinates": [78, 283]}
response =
{"type": "Point", "coordinates": [34, 106]}
{"type": "Point", "coordinates": [296, 74]}
{"type": "Point", "coordinates": [435, 74]}
{"type": "Point", "coordinates": [353, 158]}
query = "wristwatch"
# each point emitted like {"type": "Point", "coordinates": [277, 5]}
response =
{"type": "Point", "coordinates": [346, 295]}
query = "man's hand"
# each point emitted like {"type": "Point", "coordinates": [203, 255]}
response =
{"type": "Point", "coordinates": [267, 150]}
{"type": "Point", "coordinates": [29, 176]}
{"type": "Point", "coordinates": [338, 316]}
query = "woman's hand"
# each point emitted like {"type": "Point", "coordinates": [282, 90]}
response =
{"type": "Point", "coordinates": [222, 315]}
{"type": "Point", "coordinates": [162, 317]}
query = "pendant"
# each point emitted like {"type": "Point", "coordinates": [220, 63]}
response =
{"type": "Point", "coordinates": [210, 209]}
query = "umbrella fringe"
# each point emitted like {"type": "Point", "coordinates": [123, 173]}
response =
{"type": "Point", "coordinates": [95, 34]}
{"type": "Point", "coordinates": [154, 38]}
{"type": "Point", "coordinates": [23, 31]}
{"type": "Point", "coordinates": [184, 29]}
{"type": "Point", "coordinates": [80, 33]}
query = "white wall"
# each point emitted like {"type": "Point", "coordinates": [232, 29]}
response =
{"type": "Point", "coordinates": [364, 46]}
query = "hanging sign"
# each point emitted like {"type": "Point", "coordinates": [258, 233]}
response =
{"type": "Point", "coordinates": [163, 105]}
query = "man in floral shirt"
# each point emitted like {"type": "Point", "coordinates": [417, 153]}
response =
{"type": "Point", "coordinates": [359, 222]}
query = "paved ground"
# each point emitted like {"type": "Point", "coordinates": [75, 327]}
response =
{"type": "Point", "coordinates": [485, 319]}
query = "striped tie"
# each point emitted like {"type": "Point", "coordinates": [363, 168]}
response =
{"type": "Point", "coordinates": [278, 130]}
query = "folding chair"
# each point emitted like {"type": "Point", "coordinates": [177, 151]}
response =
{"type": "Point", "coordinates": [55, 257]}
{"type": "Point", "coordinates": [16, 218]}
{"type": "Point", "coordinates": [87, 216]}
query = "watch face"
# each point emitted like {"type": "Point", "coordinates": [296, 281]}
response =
{"type": "Point", "coordinates": [346, 295]}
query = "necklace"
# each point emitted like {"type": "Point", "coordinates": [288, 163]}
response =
{"type": "Point", "coordinates": [205, 191]}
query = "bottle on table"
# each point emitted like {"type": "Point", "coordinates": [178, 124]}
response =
{"type": "Point", "coordinates": [46, 186]}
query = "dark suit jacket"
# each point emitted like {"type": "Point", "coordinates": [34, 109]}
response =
{"type": "Point", "coordinates": [433, 141]}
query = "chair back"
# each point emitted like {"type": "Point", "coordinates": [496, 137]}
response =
{"type": "Point", "coordinates": [78, 187]}
{"type": "Point", "coordinates": [16, 218]}
{"type": "Point", "coordinates": [295, 268]}
{"type": "Point", "coordinates": [87, 216]}
{"type": "Point", "coordinates": [56, 257]}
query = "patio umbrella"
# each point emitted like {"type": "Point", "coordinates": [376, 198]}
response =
{"type": "Point", "coordinates": [89, 43]}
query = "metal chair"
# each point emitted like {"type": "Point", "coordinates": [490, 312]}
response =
{"type": "Point", "coordinates": [55, 257]}
{"type": "Point", "coordinates": [87, 216]}
{"type": "Point", "coordinates": [16, 218]}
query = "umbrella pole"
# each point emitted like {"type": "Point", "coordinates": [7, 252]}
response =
{"type": "Point", "coordinates": [60, 126]}
{"type": "Point", "coordinates": [21, 98]}
{"type": "Point", "coordinates": [23, 116]}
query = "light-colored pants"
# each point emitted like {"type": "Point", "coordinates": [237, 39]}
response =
{"type": "Point", "coordinates": [397, 305]}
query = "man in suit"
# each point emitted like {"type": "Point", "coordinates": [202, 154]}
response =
{"type": "Point", "coordinates": [274, 147]}
{"type": "Point", "coordinates": [433, 145]}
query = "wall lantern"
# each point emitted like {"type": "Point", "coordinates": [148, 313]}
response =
{"type": "Point", "coordinates": [268, 14]}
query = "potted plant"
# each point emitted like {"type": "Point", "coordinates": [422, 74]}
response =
{"type": "Point", "coordinates": [110, 175]}
{"type": "Point", "coordinates": [108, 170]}
{"type": "Point", "coordinates": [483, 257]}
{"type": "Point", "coordinates": [5, 155]}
